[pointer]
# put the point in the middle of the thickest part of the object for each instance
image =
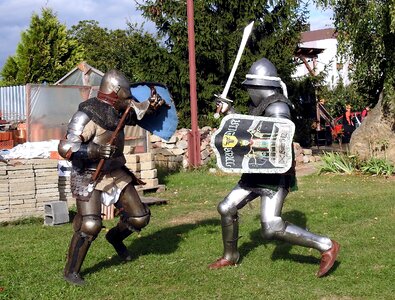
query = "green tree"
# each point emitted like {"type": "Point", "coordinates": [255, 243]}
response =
{"type": "Point", "coordinates": [135, 52]}
{"type": "Point", "coordinates": [218, 30]}
{"type": "Point", "coordinates": [94, 40]}
{"type": "Point", "coordinates": [366, 35]}
{"type": "Point", "coordinates": [45, 52]}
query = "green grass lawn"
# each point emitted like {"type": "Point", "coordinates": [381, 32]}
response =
{"type": "Point", "coordinates": [171, 255]}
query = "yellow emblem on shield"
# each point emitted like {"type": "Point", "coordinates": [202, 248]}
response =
{"type": "Point", "coordinates": [229, 141]}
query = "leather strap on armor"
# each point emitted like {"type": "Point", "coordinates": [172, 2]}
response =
{"type": "Point", "coordinates": [110, 99]}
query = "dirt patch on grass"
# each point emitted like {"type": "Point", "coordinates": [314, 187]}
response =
{"type": "Point", "coordinates": [194, 217]}
{"type": "Point", "coordinates": [307, 169]}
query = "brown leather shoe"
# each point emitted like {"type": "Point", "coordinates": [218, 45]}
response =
{"type": "Point", "coordinates": [220, 263]}
{"type": "Point", "coordinates": [328, 258]}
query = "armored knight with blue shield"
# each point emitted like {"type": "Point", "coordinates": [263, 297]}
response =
{"type": "Point", "coordinates": [94, 144]}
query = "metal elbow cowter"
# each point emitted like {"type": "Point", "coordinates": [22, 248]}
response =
{"type": "Point", "coordinates": [64, 149]}
{"type": "Point", "coordinates": [73, 140]}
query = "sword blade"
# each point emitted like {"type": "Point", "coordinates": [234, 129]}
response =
{"type": "Point", "coordinates": [246, 34]}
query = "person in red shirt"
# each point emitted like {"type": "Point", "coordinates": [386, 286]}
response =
{"type": "Point", "coordinates": [348, 124]}
{"type": "Point", "coordinates": [365, 112]}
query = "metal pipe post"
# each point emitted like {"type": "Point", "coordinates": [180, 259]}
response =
{"type": "Point", "coordinates": [194, 137]}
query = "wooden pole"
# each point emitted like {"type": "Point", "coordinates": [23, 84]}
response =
{"type": "Point", "coordinates": [194, 137]}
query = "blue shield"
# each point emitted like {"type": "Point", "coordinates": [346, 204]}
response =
{"type": "Point", "coordinates": [164, 122]}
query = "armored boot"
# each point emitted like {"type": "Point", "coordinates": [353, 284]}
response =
{"type": "Point", "coordinates": [79, 246]}
{"type": "Point", "coordinates": [230, 236]}
{"type": "Point", "coordinates": [115, 237]}
{"type": "Point", "coordinates": [328, 259]}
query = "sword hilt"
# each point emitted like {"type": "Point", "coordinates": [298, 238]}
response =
{"type": "Point", "coordinates": [221, 102]}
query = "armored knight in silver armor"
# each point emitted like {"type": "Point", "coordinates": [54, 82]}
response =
{"type": "Point", "coordinates": [268, 98]}
{"type": "Point", "coordinates": [87, 142]}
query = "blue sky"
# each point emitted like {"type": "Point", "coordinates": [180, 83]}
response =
{"type": "Point", "coordinates": [15, 17]}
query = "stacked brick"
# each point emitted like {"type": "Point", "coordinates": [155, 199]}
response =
{"type": "Point", "coordinates": [26, 187]}
{"type": "Point", "coordinates": [143, 166]}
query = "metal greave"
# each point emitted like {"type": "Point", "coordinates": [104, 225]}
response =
{"type": "Point", "coordinates": [274, 227]}
{"type": "Point", "coordinates": [230, 236]}
{"type": "Point", "coordinates": [78, 249]}
{"type": "Point", "coordinates": [299, 236]}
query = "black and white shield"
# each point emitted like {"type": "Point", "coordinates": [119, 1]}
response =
{"type": "Point", "coordinates": [253, 144]}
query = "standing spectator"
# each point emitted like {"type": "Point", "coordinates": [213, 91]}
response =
{"type": "Point", "coordinates": [348, 124]}
{"type": "Point", "coordinates": [323, 130]}
{"type": "Point", "coordinates": [365, 112]}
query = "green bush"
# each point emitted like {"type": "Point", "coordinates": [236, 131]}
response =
{"type": "Point", "coordinates": [348, 164]}
{"type": "Point", "coordinates": [338, 163]}
{"type": "Point", "coordinates": [378, 166]}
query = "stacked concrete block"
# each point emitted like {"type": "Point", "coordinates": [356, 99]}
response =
{"type": "Point", "coordinates": [133, 163]}
{"type": "Point", "coordinates": [26, 186]}
{"type": "Point", "coordinates": [4, 193]}
{"type": "Point", "coordinates": [21, 190]}
{"type": "Point", "coordinates": [46, 180]}
{"type": "Point", "coordinates": [148, 172]}
{"type": "Point", "coordinates": [65, 190]}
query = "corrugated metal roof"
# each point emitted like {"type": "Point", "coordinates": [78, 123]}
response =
{"type": "Point", "coordinates": [13, 103]}
{"type": "Point", "coordinates": [82, 74]}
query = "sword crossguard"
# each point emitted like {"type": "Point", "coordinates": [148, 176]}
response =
{"type": "Point", "coordinates": [223, 99]}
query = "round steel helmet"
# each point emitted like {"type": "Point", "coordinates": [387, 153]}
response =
{"type": "Point", "coordinates": [114, 86]}
{"type": "Point", "coordinates": [260, 73]}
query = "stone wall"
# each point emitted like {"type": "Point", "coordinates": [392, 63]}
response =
{"type": "Point", "coordinates": [173, 154]}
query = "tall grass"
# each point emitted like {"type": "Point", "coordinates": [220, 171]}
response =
{"type": "Point", "coordinates": [171, 254]}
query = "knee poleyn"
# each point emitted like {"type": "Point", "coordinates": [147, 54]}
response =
{"type": "Point", "coordinates": [91, 225]}
{"type": "Point", "coordinates": [138, 223]}
{"type": "Point", "coordinates": [226, 210]}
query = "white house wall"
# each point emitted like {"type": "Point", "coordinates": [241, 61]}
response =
{"type": "Point", "coordinates": [327, 58]}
